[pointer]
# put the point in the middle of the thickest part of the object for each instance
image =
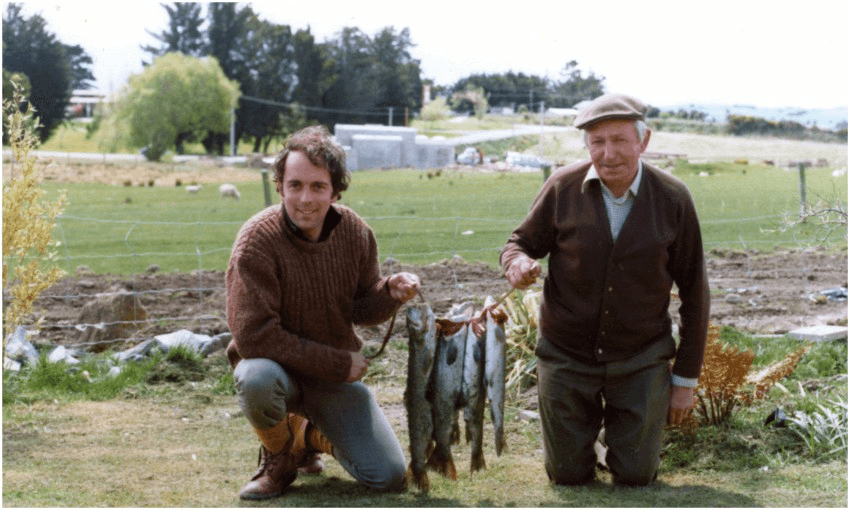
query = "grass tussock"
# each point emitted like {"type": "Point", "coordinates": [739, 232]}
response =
{"type": "Point", "coordinates": [150, 421]}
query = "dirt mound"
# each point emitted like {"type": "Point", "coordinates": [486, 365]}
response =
{"type": "Point", "coordinates": [757, 293]}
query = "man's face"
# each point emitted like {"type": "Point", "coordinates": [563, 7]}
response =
{"type": "Point", "coordinates": [307, 194]}
{"type": "Point", "coordinates": [615, 152]}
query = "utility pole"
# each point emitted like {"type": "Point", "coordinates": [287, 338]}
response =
{"type": "Point", "coordinates": [233, 131]}
{"type": "Point", "coordinates": [391, 115]}
{"type": "Point", "coordinates": [542, 109]}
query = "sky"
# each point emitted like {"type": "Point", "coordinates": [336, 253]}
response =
{"type": "Point", "coordinates": [771, 54]}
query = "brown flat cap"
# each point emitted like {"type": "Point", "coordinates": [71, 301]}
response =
{"type": "Point", "coordinates": [609, 106]}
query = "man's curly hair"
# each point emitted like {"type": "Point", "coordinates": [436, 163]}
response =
{"type": "Point", "coordinates": [321, 149]}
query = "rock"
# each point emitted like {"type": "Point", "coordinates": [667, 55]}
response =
{"type": "Point", "coordinates": [83, 271]}
{"type": "Point", "coordinates": [525, 415]}
{"type": "Point", "coordinates": [19, 349]}
{"type": "Point", "coordinates": [12, 365]}
{"type": "Point", "coordinates": [819, 333]}
{"type": "Point", "coordinates": [60, 354]}
{"type": "Point", "coordinates": [110, 316]}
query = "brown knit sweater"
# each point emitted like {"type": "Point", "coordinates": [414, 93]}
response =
{"type": "Point", "coordinates": [606, 300]}
{"type": "Point", "coordinates": [295, 302]}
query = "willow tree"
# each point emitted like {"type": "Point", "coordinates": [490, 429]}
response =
{"type": "Point", "coordinates": [178, 97]}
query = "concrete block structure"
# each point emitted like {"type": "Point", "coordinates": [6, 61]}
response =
{"type": "Point", "coordinates": [433, 153]}
{"type": "Point", "coordinates": [375, 146]}
{"type": "Point", "coordinates": [378, 151]}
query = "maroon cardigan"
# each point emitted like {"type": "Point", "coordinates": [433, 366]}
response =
{"type": "Point", "coordinates": [295, 301]}
{"type": "Point", "coordinates": [607, 301]}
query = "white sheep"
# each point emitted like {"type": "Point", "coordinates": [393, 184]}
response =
{"type": "Point", "coordinates": [193, 189]}
{"type": "Point", "coordinates": [228, 190]}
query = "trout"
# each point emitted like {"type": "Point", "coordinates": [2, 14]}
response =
{"type": "Point", "coordinates": [422, 345]}
{"type": "Point", "coordinates": [494, 373]}
{"type": "Point", "coordinates": [446, 382]}
{"type": "Point", "coordinates": [474, 395]}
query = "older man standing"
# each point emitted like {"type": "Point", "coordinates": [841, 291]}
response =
{"type": "Point", "coordinates": [619, 233]}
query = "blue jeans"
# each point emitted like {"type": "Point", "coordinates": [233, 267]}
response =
{"type": "Point", "coordinates": [347, 414]}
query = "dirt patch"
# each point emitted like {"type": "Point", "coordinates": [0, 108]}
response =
{"type": "Point", "coordinates": [757, 293]}
{"type": "Point", "coordinates": [140, 173]}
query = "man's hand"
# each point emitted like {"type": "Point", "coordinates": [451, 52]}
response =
{"type": "Point", "coordinates": [359, 365]}
{"type": "Point", "coordinates": [681, 402]}
{"type": "Point", "coordinates": [404, 286]}
{"type": "Point", "coordinates": [522, 272]}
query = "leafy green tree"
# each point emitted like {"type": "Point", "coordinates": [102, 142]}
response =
{"type": "Point", "coordinates": [436, 110]}
{"type": "Point", "coordinates": [176, 94]}
{"type": "Point", "coordinates": [81, 75]}
{"type": "Point", "coordinates": [184, 33]}
{"type": "Point", "coordinates": [508, 89]}
{"type": "Point", "coordinates": [29, 48]}
{"type": "Point", "coordinates": [370, 74]}
{"type": "Point", "coordinates": [575, 88]}
{"type": "Point", "coordinates": [476, 96]}
{"type": "Point", "coordinates": [312, 70]}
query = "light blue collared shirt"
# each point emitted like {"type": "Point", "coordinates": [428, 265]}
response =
{"type": "Point", "coordinates": [618, 208]}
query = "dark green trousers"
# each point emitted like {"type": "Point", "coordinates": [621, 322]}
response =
{"type": "Point", "coordinates": [631, 397]}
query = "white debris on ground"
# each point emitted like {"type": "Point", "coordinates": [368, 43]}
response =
{"type": "Point", "coordinates": [20, 352]}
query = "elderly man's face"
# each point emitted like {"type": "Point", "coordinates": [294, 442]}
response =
{"type": "Point", "coordinates": [615, 152]}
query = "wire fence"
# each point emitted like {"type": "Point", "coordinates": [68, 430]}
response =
{"type": "Point", "coordinates": [206, 279]}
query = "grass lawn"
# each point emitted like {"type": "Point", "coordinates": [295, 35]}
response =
{"type": "Point", "coordinates": [418, 216]}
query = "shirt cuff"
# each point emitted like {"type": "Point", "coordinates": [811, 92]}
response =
{"type": "Point", "coordinates": [684, 382]}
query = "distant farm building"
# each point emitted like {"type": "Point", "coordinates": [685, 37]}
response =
{"type": "Point", "coordinates": [375, 146]}
{"type": "Point", "coordinates": [82, 103]}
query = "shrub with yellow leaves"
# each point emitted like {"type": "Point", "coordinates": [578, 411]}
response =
{"type": "Point", "coordinates": [27, 221]}
{"type": "Point", "coordinates": [726, 381]}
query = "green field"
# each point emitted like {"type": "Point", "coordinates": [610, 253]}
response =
{"type": "Point", "coordinates": [418, 217]}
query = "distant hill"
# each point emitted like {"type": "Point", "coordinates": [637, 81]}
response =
{"type": "Point", "coordinates": [832, 119]}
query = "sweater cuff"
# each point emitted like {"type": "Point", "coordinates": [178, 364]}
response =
{"type": "Point", "coordinates": [684, 382]}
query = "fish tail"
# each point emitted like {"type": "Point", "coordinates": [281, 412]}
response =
{"type": "Point", "coordinates": [420, 480]}
{"type": "Point", "coordinates": [501, 444]}
{"type": "Point", "coordinates": [445, 467]}
{"type": "Point", "coordinates": [477, 463]}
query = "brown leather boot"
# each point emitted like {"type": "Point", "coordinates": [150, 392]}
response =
{"type": "Point", "coordinates": [278, 469]}
{"type": "Point", "coordinates": [316, 444]}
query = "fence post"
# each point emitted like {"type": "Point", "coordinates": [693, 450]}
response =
{"type": "Point", "coordinates": [266, 188]}
{"type": "Point", "coordinates": [802, 168]}
{"type": "Point", "coordinates": [547, 170]}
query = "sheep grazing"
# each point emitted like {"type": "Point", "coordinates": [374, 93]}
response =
{"type": "Point", "coordinates": [228, 190]}
{"type": "Point", "coordinates": [193, 189]}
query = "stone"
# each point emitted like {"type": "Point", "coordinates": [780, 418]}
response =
{"type": "Point", "coordinates": [19, 349]}
{"type": "Point", "coordinates": [110, 316]}
{"type": "Point", "coordinates": [61, 355]}
{"type": "Point", "coordinates": [819, 333]}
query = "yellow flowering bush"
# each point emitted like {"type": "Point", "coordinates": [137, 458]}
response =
{"type": "Point", "coordinates": [27, 221]}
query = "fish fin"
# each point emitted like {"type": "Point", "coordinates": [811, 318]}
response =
{"type": "Point", "coordinates": [477, 463]}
